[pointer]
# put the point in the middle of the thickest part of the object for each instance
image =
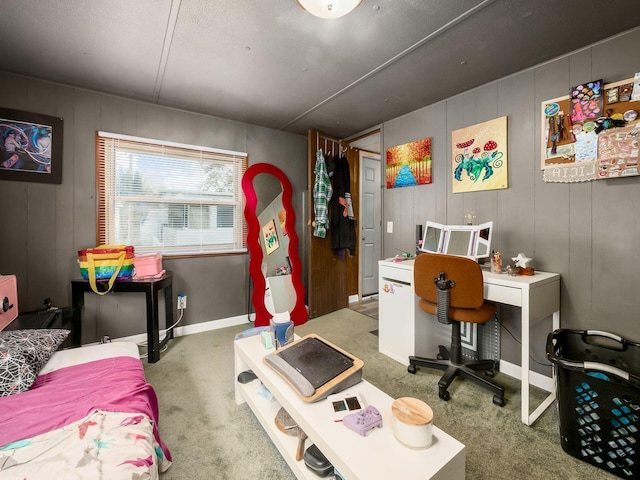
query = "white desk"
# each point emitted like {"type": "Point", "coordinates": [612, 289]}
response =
{"type": "Point", "coordinates": [538, 296]}
{"type": "Point", "coordinates": [376, 455]}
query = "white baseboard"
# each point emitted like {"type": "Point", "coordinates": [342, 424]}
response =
{"type": "Point", "coordinates": [196, 328]}
{"type": "Point", "coordinates": [535, 379]}
{"type": "Point", "coordinates": [354, 298]}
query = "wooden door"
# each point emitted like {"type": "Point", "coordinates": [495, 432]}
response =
{"type": "Point", "coordinates": [328, 283]}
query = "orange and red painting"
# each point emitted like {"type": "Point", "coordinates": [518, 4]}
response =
{"type": "Point", "coordinates": [409, 164]}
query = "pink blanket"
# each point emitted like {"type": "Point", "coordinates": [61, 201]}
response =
{"type": "Point", "coordinates": [70, 394]}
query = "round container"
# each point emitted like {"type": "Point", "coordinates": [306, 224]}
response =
{"type": "Point", "coordinates": [412, 422]}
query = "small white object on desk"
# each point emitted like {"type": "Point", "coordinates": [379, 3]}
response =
{"type": "Point", "coordinates": [412, 422]}
{"type": "Point", "coordinates": [522, 260]}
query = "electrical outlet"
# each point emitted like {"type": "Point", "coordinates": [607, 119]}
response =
{"type": "Point", "coordinates": [182, 302]}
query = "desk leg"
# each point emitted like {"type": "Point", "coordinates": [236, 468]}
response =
{"type": "Point", "coordinates": [153, 328]}
{"type": "Point", "coordinates": [168, 308]}
{"type": "Point", "coordinates": [527, 418]}
{"type": "Point", "coordinates": [77, 303]}
{"type": "Point", "coordinates": [524, 354]}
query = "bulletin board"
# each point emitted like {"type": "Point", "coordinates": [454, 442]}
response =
{"type": "Point", "coordinates": [591, 134]}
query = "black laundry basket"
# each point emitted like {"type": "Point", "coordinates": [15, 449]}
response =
{"type": "Point", "coordinates": [598, 391]}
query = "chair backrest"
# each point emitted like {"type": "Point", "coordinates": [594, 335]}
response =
{"type": "Point", "coordinates": [466, 273]}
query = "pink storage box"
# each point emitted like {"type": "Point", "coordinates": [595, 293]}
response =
{"type": "Point", "coordinates": [148, 266]}
{"type": "Point", "coordinates": [8, 299]}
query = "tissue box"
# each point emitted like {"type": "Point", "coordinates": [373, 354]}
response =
{"type": "Point", "coordinates": [8, 300]}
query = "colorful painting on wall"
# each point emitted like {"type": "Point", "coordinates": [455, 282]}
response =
{"type": "Point", "coordinates": [409, 164]}
{"type": "Point", "coordinates": [270, 237]}
{"type": "Point", "coordinates": [480, 157]}
{"type": "Point", "coordinates": [30, 147]}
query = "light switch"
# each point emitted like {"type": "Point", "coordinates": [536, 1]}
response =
{"type": "Point", "coordinates": [389, 227]}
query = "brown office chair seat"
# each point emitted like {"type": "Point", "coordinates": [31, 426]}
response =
{"type": "Point", "coordinates": [477, 315]}
{"type": "Point", "coordinates": [466, 304]}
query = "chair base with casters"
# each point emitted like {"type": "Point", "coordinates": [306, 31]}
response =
{"type": "Point", "coordinates": [476, 371]}
{"type": "Point", "coordinates": [451, 288]}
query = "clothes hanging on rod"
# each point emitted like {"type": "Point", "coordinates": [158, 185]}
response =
{"type": "Point", "coordinates": [322, 193]}
{"type": "Point", "coordinates": [343, 235]}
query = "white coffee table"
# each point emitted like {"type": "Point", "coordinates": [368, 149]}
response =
{"type": "Point", "coordinates": [376, 455]}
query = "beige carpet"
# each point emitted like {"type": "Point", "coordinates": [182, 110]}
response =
{"type": "Point", "coordinates": [210, 437]}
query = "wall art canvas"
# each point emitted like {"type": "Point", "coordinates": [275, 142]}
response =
{"type": "Point", "coordinates": [30, 147]}
{"type": "Point", "coordinates": [270, 237]}
{"type": "Point", "coordinates": [409, 164]}
{"type": "Point", "coordinates": [480, 157]}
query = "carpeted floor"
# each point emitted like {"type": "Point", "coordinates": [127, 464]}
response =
{"type": "Point", "coordinates": [210, 437]}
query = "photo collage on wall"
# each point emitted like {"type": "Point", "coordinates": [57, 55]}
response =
{"type": "Point", "coordinates": [593, 133]}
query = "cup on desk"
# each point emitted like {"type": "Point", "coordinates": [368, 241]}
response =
{"type": "Point", "coordinates": [282, 329]}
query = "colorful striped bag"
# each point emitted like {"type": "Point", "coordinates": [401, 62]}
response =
{"type": "Point", "coordinates": [106, 263]}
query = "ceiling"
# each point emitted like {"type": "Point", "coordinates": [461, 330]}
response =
{"type": "Point", "coordinates": [270, 63]}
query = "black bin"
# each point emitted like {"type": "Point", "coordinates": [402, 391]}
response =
{"type": "Point", "coordinates": [598, 392]}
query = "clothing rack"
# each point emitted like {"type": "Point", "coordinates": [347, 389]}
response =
{"type": "Point", "coordinates": [333, 144]}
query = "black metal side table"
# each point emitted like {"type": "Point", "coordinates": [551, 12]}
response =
{"type": "Point", "coordinates": [150, 287]}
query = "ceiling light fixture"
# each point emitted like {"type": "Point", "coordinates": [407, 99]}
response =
{"type": "Point", "coordinates": [329, 8]}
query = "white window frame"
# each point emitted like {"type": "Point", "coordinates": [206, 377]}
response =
{"type": "Point", "coordinates": [109, 201]}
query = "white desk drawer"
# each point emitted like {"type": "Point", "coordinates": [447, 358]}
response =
{"type": "Point", "coordinates": [396, 275]}
{"type": "Point", "coordinates": [503, 294]}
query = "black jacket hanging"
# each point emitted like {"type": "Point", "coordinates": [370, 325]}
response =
{"type": "Point", "coordinates": [343, 234]}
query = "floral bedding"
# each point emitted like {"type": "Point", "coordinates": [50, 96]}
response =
{"type": "Point", "coordinates": [103, 445]}
{"type": "Point", "coordinates": [97, 420]}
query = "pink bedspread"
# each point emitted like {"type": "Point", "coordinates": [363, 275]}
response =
{"type": "Point", "coordinates": [70, 394]}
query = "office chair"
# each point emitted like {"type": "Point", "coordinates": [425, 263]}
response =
{"type": "Point", "coordinates": [451, 288]}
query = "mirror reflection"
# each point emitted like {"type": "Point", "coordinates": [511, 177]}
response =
{"type": "Point", "coordinates": [280, 295]}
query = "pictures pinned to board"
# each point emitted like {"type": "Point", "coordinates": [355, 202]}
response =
{"type": "Point", "coordinates": [584, 147]}
{"type": "Point", "coordinates": [409, 164]}
{"type": "Point", "coordinates": [618, 152]}
{"type": "Point", "coordinates": [270, 237]}
{"type": "Point", "coordinates": [480, 157]}
{"type": "Point", "coordinates": [586, 101]}
{"type": "Point", "coordinates": [30, 147]}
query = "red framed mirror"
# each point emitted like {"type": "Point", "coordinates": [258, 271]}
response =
{"type": "Point", "coordinates": [273, 244]}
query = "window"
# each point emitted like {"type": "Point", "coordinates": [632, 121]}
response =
{"type": "Point", "coordinates": [167, 197]}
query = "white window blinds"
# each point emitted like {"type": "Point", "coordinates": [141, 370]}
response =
{"type": "Point", "coordinates": [167, 197]}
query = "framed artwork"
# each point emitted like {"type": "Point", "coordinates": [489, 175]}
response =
{"type": "Point", "coordinates": [409, 164]}
{"type": "Point", "coordinates": [480, 157]}
{"type": "Point", "coordinates": [30, 147]}
{"type": "Point", "coordinates": [270, 237]}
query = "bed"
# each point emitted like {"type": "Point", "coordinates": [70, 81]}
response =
{"type": "Point", "coordinates": [88, 414]}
